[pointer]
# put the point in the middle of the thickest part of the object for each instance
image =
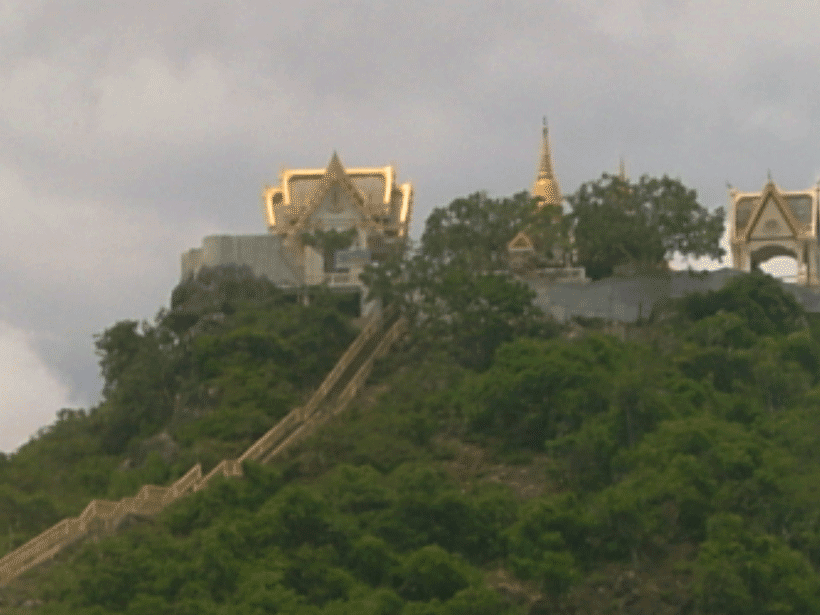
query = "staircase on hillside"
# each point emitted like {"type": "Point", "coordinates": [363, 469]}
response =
{"type": "Point", "coordinates": [338, 389]}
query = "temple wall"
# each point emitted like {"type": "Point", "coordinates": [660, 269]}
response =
{"type": "Point", "coordinates": [262, 253]}
{"type": "Point", "coordinates": [627, 299]}
{"type": "Point", "coordinates": [191, 262]}
{"type": "Point", "coordinates": [314, 266]}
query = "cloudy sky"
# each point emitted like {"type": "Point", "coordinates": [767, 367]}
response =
{"type": "Point", "coordinates": [130, 130]}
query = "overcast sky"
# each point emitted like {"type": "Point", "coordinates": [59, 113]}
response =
{"type": "Point", "coordinates": [130, 130]}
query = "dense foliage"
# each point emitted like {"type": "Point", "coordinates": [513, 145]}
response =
{"type": "Point", "coordinates": [454, 287]}
{"type": "Point", "coordinates": [474, 231]}
{"type": "Point", "coordinates": [617, 222]}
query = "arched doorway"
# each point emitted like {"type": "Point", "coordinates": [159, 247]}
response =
{"type": "Point", "coordinates": [778, 261]}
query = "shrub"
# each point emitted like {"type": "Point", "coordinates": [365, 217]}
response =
{"type": "Point", "coordinates": [430, 573]}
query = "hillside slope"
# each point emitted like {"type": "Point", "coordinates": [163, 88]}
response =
{"type": "Point", "coordinates": [673, 471]}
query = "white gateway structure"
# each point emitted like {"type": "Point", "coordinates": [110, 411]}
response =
{"type": "Point", "coordinates": [773, 223]}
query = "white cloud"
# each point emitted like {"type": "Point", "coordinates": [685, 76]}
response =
{"type": "Point", "coordinates": [111, 113]}
{"type": "Point", "coordinates": [14, 14]}
{"type": "Point", "coordinates": [31, 393]}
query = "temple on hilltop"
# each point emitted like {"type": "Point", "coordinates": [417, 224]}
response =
{"type": "Point", "coordinates": [531, 251]}
{"type": "Point", "coordinates": [366, 200]}
{"type": "Point", "coordinates": [775, 222]}
{"type": "Point", "coordinates": [324, 226]}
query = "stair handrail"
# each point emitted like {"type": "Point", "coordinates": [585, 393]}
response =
{"type": "Point", "coordinates": [52, 535]}
{"type": "Point", "coordinates": [275, 433]}
{"type": "Point", "coordinates": [357, 381]}
{"type": "Point", "coordinates": [348, 393]}
{"type": "Point", "coordinates": [226, 467]}
{"type": "Point", "coordinates": [184, 483]}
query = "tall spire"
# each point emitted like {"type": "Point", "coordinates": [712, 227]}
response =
{"type": "Point", "coordinates": [546, 188]}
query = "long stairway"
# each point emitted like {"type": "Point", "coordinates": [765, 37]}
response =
{"type": "Point", "coordinates": [337, 390]}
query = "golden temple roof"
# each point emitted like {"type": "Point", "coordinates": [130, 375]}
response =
{"type": "Point", "coordinates": [546, 188]}
{"type": "Point", "coordinates": [373, 189]}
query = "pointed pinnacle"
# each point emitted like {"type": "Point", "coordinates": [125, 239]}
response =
{"type": "Point", "coordinates": [334, 167]}
{"type": "Point", "coordinates": [546, 185]}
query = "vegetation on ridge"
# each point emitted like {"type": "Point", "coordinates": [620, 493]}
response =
{"type": "Point", "coordinates": [646, 222]}
{"type": "Point", "coordinates": [202, 382]}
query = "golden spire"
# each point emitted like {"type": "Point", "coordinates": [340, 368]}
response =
{"type": "Point", "coordinates": [622, 170]}
{"type": "Point", "coordinates": [335, 170]}
{"type": "Point", "coordinates": [546, 188]}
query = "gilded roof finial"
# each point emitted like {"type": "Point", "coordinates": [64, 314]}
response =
{"type": "Point", "coordinates": [769, 174]}
{"type": "Point", "coordinates": [334, 167]}
{"type": "Point", "coordinates": [622, 170]}
{"type": "Point", "coordinates": [546, 188]}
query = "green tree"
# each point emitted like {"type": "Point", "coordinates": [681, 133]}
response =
{"type": "Point", "coordinates": [475, 230]}
{"type": "Point", "coordinates": [537, 390]}
{"type": "Point", "coordinates": [140, 369]}
{"type": "Point", "coordinates": [551, 537]}
{"type": "Point", "coordinates": [760, 300]}
{"type": "Point", "coordinates": [117, 348]}
{"type": "Point", "coordinates": [469, 311]}
{"type": "Point", "coordinates": [453, 288]}
{"type": "Point", "coordinates": [742, 571]}
{"type": "Point", "coordinates": [477, 312]}
{"type": "Point", "coordinates": [685, 471]}
{"type": "Point", "coordinates": [430, 573]}
{"type": "Point", "coordinates": [617, 221]}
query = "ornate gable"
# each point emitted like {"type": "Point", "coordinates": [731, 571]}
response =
{"type": "Point", "coordinates": [771, 217]}
{"type": "Point", "coordinates": [771, 223]}
{"type": "Point", "coordinates": [334, 177]}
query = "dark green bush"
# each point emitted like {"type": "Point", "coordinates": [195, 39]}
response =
{"type": "Point", "coordinates": [430, 573]}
